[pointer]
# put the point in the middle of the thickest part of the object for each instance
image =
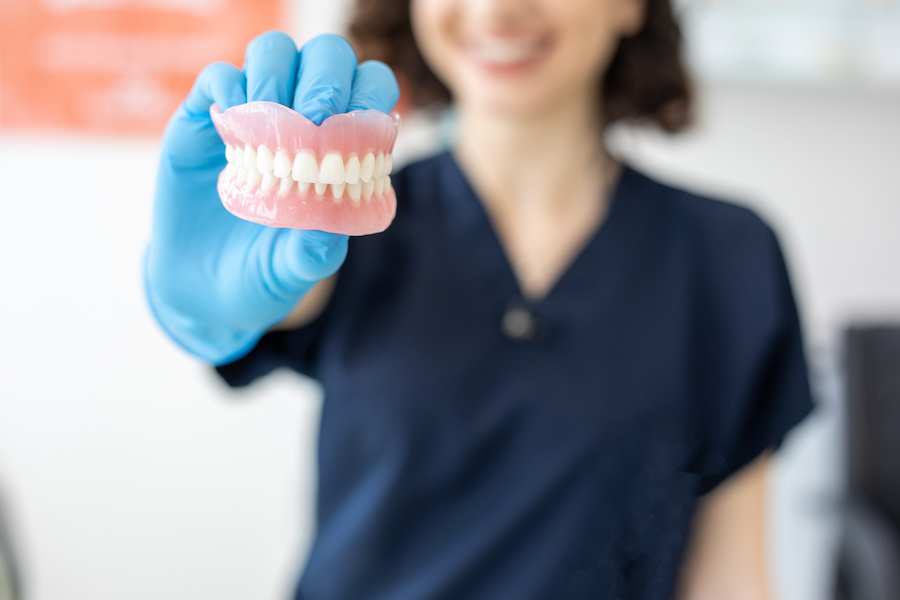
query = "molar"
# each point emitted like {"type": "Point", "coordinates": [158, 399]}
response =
{"type": "Point", "coordinates": [305, 169]}
{"type": "Point", "coordinates": [229, 153]}
{"type": "Point", "coordinates": [230, 171]}
{"type": "Point", "coordinates": [379, 166]}
{"type": "Point", "coordinates": [355, 191]}
{"type": "Point", "coordinates": [379, 186]}
{"type": "Point", "coordinates": [239, 157]}
{"type": "Point", "coordinates": [331, 169]}
{"type": "Point", "coordinates": [268, 182]}
{"type": "Point", "coordinates": [281, 164]}
{"type": "Point", "coordinates": [351, 170]}
{"type": "Point", "coordinates": [265, 160]}
{"type": "Point", "coordinates": [242, 175]}
{"type": "Point", "coordinates": [367, 166]}
{"type": "Point", "coordinates": [388, 163]}
{"type": "Point", "coordinates": [249, 158]}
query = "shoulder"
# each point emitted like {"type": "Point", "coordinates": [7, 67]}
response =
{"type": "Point", "coordinates": [731, 247]}
{"type": "Point", "coordinates": [734, 256]}
{"type": "Point", "coordinates": [711, 223]}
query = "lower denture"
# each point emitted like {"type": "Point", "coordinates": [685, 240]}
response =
{"type": "Point", "coordinates": [341, 168]}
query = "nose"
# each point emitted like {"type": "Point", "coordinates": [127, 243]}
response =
{"type": "Point", "coordinates": [498, 14]}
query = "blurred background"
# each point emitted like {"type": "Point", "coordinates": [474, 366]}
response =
{"type": "Point", "coordinates": [128, 470]}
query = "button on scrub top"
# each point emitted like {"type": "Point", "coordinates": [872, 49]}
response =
{"type": "Point", "coordinates": [476, 445]}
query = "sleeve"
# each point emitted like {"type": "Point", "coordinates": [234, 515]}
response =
{"type": "Point", "coordinates": [760, 382]}
{"type": "Point", "coordinates": [296, 349]}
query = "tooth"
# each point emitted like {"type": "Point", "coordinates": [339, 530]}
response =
{"type": "Point", "coordinates": [249, 158]}
{"type": "Point", "coordinates": [239, 157]}
{"type": "Point", "coordinates": [254, 177]}
{"type": "Point", "coordinates": [367, 188]}
{"type": "Point", "coordinates": [367, 166]}
{"type": "Point", "coordinates": [268, 182]}
{"type": "Point", "coordinates": [387, 183]}
{"type": "Point", "coordinates": [388, 163]}
{"type": "Point", "coordinates": [355, 191]}
{"type": "Point", "coordinates": [229, 153]}
{"type": "Point", "coordinates": [332, 169]}
{"type": "Point", "coordinates": [305, 168]}
{"type": "Point", "coordinates": [321, 188]}
{"type": "Point", "coordinates": [379, 186]}
{"type": "Point", "coordinates": [285, 187]}
{"type": "Point", "coordinates": [281, 164]}
{"type": "Point", "coordinates": [351, 170]}
{"type": "Point", "coordinates": [337, 190]}
{"type": "Point", "coordinates": [230, 172]}
{"type": "Point", "coordinates": [242, 175]}
{"type": "Point", "coordinates": [265, 160]}
{"type": "Point", "coordinates": [379, 166]}
{"type": "Point", "coordinates": [303, 187]}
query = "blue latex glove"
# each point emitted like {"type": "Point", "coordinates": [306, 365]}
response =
{"type": "Point", "coordinates": [217, 283]}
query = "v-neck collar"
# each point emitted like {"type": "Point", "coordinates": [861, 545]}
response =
{"type": "Point", "coordinates": [465, 211]}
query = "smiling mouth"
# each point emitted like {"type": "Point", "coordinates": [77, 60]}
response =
{"type": "Point", "coordinates": [505, 52]}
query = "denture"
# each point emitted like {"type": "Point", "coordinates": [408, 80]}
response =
{"type": "Point", "coordinates": [285, 171]}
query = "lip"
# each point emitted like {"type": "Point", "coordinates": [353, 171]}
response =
{"type": "Point", "coordinates": [507, 54]}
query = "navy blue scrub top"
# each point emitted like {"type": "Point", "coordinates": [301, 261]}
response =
{"type": "Point", "coordinates": [478, 446]}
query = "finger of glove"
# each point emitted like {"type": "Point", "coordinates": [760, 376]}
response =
{"type": "Point", "coordinates": [374, 87]}
{"type": "Point", "coordinates": [327, 67]}
{"type": "Point", "coordinates": [302, 257]}
{"type": "Point", "coordinates": [270, 64]}
{"type": "Point", "coordinates": [219, 83]}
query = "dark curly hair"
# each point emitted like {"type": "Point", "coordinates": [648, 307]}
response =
{"type": "Point", "coordinates": [646, 80]}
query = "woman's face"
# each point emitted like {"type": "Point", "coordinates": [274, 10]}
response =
{"type": "Point", "coordinates": [521, 56]}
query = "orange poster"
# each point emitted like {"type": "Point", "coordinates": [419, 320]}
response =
{"type": "Point", "coordinates": [115, 66]}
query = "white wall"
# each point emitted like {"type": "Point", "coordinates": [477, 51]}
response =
{"type": "Point", "coordinates": [134, 474]}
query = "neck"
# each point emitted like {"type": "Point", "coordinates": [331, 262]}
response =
{"type": "Point", "coordinates": [547, 161]}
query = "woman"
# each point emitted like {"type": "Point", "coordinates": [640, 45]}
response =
{"type": "Point", "coordinates": [551, 377]}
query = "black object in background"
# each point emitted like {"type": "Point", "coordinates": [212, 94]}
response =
{"type": "Point", "coordinates": [869, 567]}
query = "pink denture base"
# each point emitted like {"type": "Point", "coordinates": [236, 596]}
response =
{"type": "Point", "coordinates": [365, 203]}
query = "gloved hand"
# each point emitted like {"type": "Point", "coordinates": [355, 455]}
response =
{"type": "Point", "coordinates": [217, 283]}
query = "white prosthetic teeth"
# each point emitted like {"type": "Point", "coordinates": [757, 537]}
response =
{"type": "Point", "coordinates": [337, 190]}
{"type": "Point", "coordinates": [367, 167]}
{"type": "Point", "coordinates": [367, 188]}
{"type": "Point", "coordinates": [249, 158]}
{"type": "Point", "coordinates": [355, 191]}
{"type": "Point", "coordinates": [332, 168]}
{"type": "Point", "coordinates": [351, 169]}
{"type": "Point", "coordinates": [281, 164]}
{"type": "Point", "coordinates": [305, 168]}
{"type": "Point", "coordinates": [265, 160]}
{"type": "Point", "coordinates": [268, 182]}
{"type": "Point", "coordinates": [261, 167]}
{"type": "Point", "coordinates": [286, 184]}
